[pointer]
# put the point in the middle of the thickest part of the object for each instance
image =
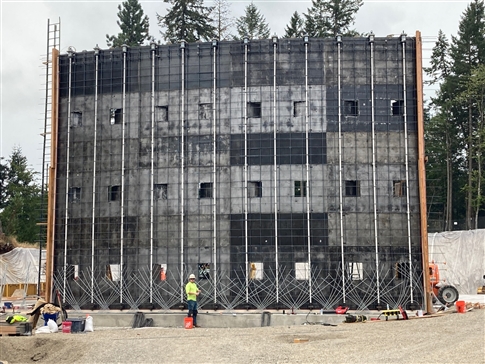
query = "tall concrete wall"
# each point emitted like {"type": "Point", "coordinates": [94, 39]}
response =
{"type": "Point", "coordinates": [355, 210]}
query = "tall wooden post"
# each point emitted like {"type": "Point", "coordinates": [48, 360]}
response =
{"type": "Point", "coordinates": [51, 196]}
{"type": "Point", "coordinates": [422, 172]}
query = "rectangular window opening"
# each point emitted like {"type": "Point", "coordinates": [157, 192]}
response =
{"type": "Point", "coordinates": [351, 107]}
{"type": "Point", "coordinates": [300, 188]}
{"type": "Point", "coordinates": [399, 188]}
{"type": "Point", "coordinates": [255, 189]}
{"type": "Point", "coordinates": [114, 193]}
{"type": "Point", "coordinates": [76, 119]}
{"type": "Point", "coordinates": [205, 111]}
{"type": "Point", "coordinates": [298, 108]}
{"type": "Point", "coordinates": [256, 271]}
{"type": "Point", "coordinates": [160, 191]}
{"type": "Point", "coordinates": [161, 113]}
{"type": "Point", "coordinates": [401, 270]}
{"type": "Point", "coordinates": [352, 188]}
{"type": "Point", "coordinates": [74, 194]}
{"type": "Point", "coordinates": [116, 116]}
{"type": "Point", "coordinates": [254, 109]}
{"type": "Point", "coordinates": [301, 271]}
{"type": "Point", "coordinates": [397, 107]}
{"type": "Point", "coordinates": [356, 272]}
{"type": "Point", "coordinates": [113, 272]}
{"type": "Point", "coordinates": [204, 271]}
{"type": "Point", "coordinates": [205, 190]}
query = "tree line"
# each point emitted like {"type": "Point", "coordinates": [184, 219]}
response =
{"type": "Point", "coordinates": [454, 117]}
{"type": "Point", "coordinates": [192, 21]}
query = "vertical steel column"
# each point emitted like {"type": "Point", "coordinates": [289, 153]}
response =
{"type": "Point", "coordinates": [408, 209]}
{"type": "Point", "coordinates": [153, 47]}
{"type": "Point", "coordinates": [275, 170]}
{"type": "Point", "coordinates": [93, 212]}
{"type": "Point", "coordinates": [182, 166]}
{"type": "Point", "coordinates": [123, 121]}
{"type": "Point", "coordinates": [307, 166]}
{"type": "Point", "coordinates": [66, 216]}
{"type": "Point", "coordinates": [245, 106]}
{"type": "Point", "coordinates": [341, 211]}
{"type": "Point", "coordinates": [374, 167]}
{"type": "Point", "coordinates": [214, 170]}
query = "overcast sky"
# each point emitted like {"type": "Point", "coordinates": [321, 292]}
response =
{"type": "Point", "coordinates": [86, 23]}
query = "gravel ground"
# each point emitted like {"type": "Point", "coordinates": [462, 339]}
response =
{"type": "Point", "coordinates": [448, 338]}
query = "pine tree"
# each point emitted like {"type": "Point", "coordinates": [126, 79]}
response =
{"type": "Point", "coordinates": [327, 18]}
{"type": "Point", "coordinates": [295, 29]}
{"type": "Point", "coordinates": [188, 20]}
{"type": "Point", "coordinates": [134, 26]}
{"type": "Point", "coordinates": [252, 24]}
{"type": "Point", "coordinates": [468, 52]}
{"type": "Point", "coordinates": [222, 19]}
{"type": "Point", "coordinates": [440, 60]}
{"type": "Point", "coordinates": [440, 145]}
{"type": "Point", "coordinates": [22, 199]}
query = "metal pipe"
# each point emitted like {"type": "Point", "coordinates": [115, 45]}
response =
{"type": "Point", "coordinates": [93, 212]}
{"type": "Point", "coordinates": [275, 171]}
{"type": "Point", "coordinates": [341, 210]}
{"type": "Point", "coordinates": [152, 180]}
{"type": "Point", "coordinates": [123, 122]}
{"type": "Point", "coordinates": [214, 171]}
{"type": "Point", "coordinates": [307, 184]}
{"type": "Point", "coordinates": [374, 167]}
{"type": "Point", "coordinates": [66, 216]}
{"type": "Point", "coordinates": [182, 167]}
{"type": "Point", "coordinates": [246, 41]}
{"type": "Point", "coordinates": [408, 208]}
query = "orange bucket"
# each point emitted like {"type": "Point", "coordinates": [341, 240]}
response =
{"type": "Point", "coordinates": [460, 306]}
{"type": "Point", "coordinates": [188, 322]}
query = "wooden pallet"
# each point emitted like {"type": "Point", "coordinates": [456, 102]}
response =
{"type": "Point", "coordinates": [15, 329]}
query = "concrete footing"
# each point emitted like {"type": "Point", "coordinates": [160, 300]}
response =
{"type": "Point", "coordinates": [210, 319]}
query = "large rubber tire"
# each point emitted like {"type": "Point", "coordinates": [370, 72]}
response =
{"type": "Point", "coordinates": [448, 295]}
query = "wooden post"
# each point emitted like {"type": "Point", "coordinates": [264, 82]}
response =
{"type": "Point", "coordinates": [422, 172]}
{"type": "Point", "coordinates": [51, 196]}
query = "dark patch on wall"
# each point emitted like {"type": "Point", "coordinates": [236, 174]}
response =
{"type": "Point", "coordinates": [290, 148]}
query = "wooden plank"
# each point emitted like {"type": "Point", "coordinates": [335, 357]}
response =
{"type": "Point", "coordinates": [18, 328]}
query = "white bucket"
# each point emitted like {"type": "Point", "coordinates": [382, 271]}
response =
{"type": "Point", "coordinates": [419, 313]}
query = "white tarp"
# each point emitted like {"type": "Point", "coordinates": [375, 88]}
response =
{"type": "Point", "coordinates": [20, 266]}
{"type": "Point", "coordinates": [460, 256]}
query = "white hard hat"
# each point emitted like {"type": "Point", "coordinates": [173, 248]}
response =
{"type": "Point", "coordinates": [192, 276]}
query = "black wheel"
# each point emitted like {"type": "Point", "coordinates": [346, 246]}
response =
{"type": "Point", "coordinates": [448, 295]}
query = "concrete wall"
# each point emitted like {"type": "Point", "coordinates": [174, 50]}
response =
{"type": "Point", "coordinates": [147, 87]}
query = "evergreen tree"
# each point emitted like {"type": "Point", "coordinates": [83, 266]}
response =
{"type": "Point", "coordinates": [440, 145]}
{"type": "Point", "coordinates": [188, 20]}
{"type": "Point", "coordinates": [468, 52]}
{"type": "Point", "coordinates": [133, 24]}
{"type": "Point", "coordinates": [296, 27]}
{"type": "Point", "coordinates": [20, 199]}
{"type": "Point", "coordinates": [222, 19]}
{"type": "Point", "coordinates": [327, 18]}
{"type": "Point", "coordinates": [252, 24]}
{"type": "Point", "coordinates": [440, 60]}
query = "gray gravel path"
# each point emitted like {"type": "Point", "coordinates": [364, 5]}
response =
{"type": "Point", "coordinates": [449, 338]}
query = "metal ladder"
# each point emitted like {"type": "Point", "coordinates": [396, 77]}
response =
{"type": "Point", "coordinates": [53, 41]}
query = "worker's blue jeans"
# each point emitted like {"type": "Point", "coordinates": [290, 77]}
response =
{"type": "Point", "coordinates": [192, 306]}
